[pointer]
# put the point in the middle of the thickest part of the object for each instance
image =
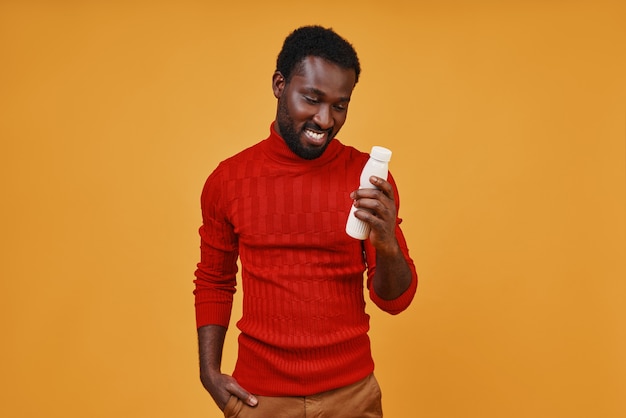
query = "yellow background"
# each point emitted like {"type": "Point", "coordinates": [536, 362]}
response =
{"type": "Point", "coordinates": [508, 126]}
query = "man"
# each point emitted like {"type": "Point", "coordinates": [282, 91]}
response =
{"type": "Point", "coordinates": [281, 207]}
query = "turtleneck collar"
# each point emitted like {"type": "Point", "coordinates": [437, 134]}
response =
{"type": "Point", "coordinates": [276, 148]}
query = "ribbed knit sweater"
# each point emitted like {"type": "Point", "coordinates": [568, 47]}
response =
{"type": "Point", "coordinates": [304, 326]}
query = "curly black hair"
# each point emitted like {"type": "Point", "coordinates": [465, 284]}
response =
{"type": "Point", "coordinates": [316, 41]}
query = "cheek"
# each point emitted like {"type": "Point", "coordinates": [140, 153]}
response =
{"type": "Point", "coordinates": [299, 110]}
{"type": "Point", "coordinates": [340, 119]}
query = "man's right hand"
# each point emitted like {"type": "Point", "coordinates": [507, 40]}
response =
{"type": "Point", "coordinates": [222, 386]}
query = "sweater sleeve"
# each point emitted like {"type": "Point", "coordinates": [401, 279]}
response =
{"type": "Point", "coordinates": [394, 306]}
{"type": "Point", "coordinates": [216, 272]}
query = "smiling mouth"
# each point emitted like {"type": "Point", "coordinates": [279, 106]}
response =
{"type": "Point", "coordinates": [316, 138]}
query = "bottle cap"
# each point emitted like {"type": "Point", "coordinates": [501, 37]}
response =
{"type": "Point", "coordinates": [380, 154]}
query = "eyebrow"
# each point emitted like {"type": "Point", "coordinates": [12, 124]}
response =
{"type": "Point", "coordinates": [321, 93]}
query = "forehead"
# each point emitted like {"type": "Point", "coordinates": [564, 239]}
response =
{"type": "Point", "coordinates": [315, 73]}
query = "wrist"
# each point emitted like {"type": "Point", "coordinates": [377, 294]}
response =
{"type": "Point", "coordinates": [389, 249]}
{"type": "Point", "coordinates": [209, 375]}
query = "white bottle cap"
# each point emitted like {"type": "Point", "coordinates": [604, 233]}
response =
{"type": "Point", "coordinates": [380, 154]}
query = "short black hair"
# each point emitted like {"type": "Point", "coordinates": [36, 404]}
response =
{"type": "Point", "coordinates": [316, 41]}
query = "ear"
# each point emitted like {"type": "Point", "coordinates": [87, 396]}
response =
{"type": "Point", "coordinates": [278, 84]}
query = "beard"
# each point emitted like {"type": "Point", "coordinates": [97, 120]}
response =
{"type": "Point", "coordinates": [292, 137]}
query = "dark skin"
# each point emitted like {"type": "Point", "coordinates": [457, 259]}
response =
{"type": "Point", "coordinates": [393, 276]}
{"type": "Point", "coordinates": [312, 107]}
{"type": "Point", "coordinates": [220, 386]}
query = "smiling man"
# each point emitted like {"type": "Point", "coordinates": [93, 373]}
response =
{"type": "Point", "coordinates": [313, 106]}
{"type": "Point", "coordinates": [280, 207]}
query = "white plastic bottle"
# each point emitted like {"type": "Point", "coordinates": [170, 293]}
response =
{"type": "Point", "coordinates": [377, 166]}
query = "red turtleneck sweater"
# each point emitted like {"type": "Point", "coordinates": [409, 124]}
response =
{"type": "Point", "coordinates": [304, 326]}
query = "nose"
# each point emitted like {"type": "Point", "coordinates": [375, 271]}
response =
{"type": "Point", "coordinates": [324, 118]}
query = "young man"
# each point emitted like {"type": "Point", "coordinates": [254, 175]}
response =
{"type": "Point", "coordinates": [281, 207]}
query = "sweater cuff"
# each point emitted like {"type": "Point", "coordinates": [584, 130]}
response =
{"type": "Point", "coordinates": [213, 314]}
{"type": "Point", "coordinates": [397, 305]}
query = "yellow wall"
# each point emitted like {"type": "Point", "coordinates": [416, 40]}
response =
{"type": "Point", "coordinates": [508, 124]}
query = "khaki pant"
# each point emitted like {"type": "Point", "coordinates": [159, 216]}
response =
{"type": "Point", "coordinates": [359, 400]}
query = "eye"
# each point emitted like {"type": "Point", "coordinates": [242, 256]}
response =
{"type": "Point", "coordinates": [341, 107]}
{"type": "Point", "coordinates": [311, 100]}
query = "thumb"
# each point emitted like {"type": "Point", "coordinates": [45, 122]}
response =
{"type": "Point", "coordinates": [251, 400]}
{"type": "Point", "coordinates": [245, 396]}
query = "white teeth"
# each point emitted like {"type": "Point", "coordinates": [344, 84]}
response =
{"type": "Point", "coordinates": [314, 135]}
